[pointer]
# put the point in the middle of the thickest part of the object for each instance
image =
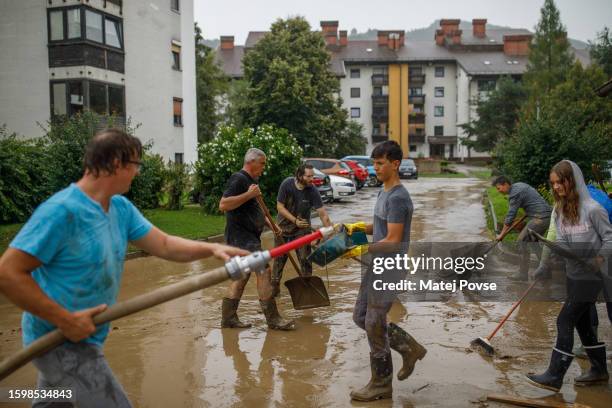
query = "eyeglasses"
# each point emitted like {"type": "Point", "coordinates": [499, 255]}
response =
{"type": "Point", "coordinates": [138, 163]}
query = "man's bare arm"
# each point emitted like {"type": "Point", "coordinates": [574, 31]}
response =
{"type": "Point", "coordinates": [233, 202]}
{"type": "Point", "coordinates": [324, 217]}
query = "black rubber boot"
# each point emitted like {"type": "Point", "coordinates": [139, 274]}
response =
{"type": "Point", "coordinates": [274, 320]}
{"type": "Point", "coordinates": [381, 383]}
{"type": "Point", "coordinates": [552, 378]}
{"type": "Point", "coordinates": [229, 317]}
{"type": "Point", "coordinates": [598, 373]}
{"type": "Point", "coordinates": [408, 347]}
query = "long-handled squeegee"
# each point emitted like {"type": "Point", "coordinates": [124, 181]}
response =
{"type": "Point", "coordinates": [235, 269]}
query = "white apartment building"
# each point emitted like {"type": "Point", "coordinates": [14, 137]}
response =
{"type": "Point", "coordinates": [131, 59]}
{"type": "Point", "coordinates": [414, 92]}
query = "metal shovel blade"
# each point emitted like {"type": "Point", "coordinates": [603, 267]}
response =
{"type": "Point", "coordinates": [307, 292]}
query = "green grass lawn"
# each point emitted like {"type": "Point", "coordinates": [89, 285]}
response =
{"type": "Point", "coordinates": [442, 175]}
{"type": "Point", "coordinates": [189, 222]}
{"type": "Point", "coordinates": [484, 174]}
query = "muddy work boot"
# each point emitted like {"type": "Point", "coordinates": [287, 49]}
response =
{"type": "Point", "coordinates": [552, 378]}
{"type": "Point", "coordinates": [381, 383]}
{"type": "Point", "coordinates": [407, 346]}
{"type": "Point", "coordinates": [229, 317]}
{"type": "Point", "coordinates": [598, 373]}
{"type": "Point", "coordinates": [274, 320]}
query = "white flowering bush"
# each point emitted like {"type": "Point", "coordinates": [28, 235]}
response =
{"type": "Point", "coordinates": [224, 155]}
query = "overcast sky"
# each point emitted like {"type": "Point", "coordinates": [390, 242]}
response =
{"type": "Point", "coordinates": [582, 18]}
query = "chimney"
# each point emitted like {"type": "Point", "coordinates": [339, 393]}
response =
{"type": "Point", "coordinates": [330, 31]}
{"type": "Point", "coordinates": [382, 37]}
{"type": "Point", "coordinates": [449, 25]}
{"type": "Point", "coordinates": [517, 44]}
{"type": "Point", "coordinates": [343, 38]}
{"type": "Point", "coordinates": [479, 27]}
{"type": "Point", "coordinates": [456, 37]}
{"type": "Point", "coordinates": [439, 37]}
{"type": "Point", "coordinates": [227, 42]}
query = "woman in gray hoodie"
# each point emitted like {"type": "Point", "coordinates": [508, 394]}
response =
{"type": "Point", "coordinates": [584, 229]}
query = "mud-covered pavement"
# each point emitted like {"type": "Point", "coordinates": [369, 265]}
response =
{"type": "Point", "coordinates": [175, 355]}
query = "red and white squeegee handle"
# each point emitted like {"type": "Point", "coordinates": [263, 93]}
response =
{"type": "Point", "coordinates": [240, 266]}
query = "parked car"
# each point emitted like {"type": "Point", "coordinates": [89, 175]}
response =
{"type": "Point", "coordinates": [361, 173]}
{"type": "Point", "coordinates": [369, 164]}
{"type": "Point", "coordinates": [408, 169]}
{"type": "Point", "coordinates": [322, 183]}
{"type": "Point", "coordinates": [342, 187]}
{"type": "Point", "coordinates": [332, 166]}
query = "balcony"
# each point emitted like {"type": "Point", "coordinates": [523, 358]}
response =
{"type": "Point", "coordinates": [442, 139]}
{"type": "Point", "coordinates": [416, 118]}
{"type": "Point", "coordinates": [380, 79]}
{"type": "Point", "coordinates": [416, 138]}
{"type": "Point", "coordinates": [417, 99]}
{"type": "Point", "coordinates": [416, 79]}
{"type": "Point", "coordinates": [379, 137]}
{"type": "Point", "coordinates": [380, 100]}
{"type": "Point", "coordinates": [380, 115]}
{"type": "Point", "coordinates": [69, 55]}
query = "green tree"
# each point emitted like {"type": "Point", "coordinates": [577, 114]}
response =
{"type": "Point", "coordinates": [550, 56]}
{"type": "Point", "coordinates": [292, 87]}
{"type": "Point", "coordinates": [496, 115]}
{"type": "Point", "coordinates": [211, 84]}
{"type": "Point", "coordinates": [351, 140]}
{"type": "Point", "coordinates": [601, 50]}
{"type": "Point", "coordinates": [235, 103]}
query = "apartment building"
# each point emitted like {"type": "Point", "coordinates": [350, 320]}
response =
{"type": "Point", "coordinates": [131, 59]}
{"type": "Point", "coordinates": [414, 92]}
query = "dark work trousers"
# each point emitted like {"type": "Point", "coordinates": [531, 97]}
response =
{"type": "Point", "coordinates": [539, 225]}
{"type": "Point", "coordinates": [370, 314]}
{"type": "Point", "coordinates": [302, 254]}
{"type": "Point", "coordinates": [577, 312]}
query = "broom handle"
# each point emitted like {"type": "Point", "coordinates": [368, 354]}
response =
{"type": "Point", "coordinates": [497, 241]}
{"type": "Point", "coordinates": [490, 336]}
{"type": "Point", "coordinates": [277, 231]}
{"type": "Point", "coordinates": [136, 304]}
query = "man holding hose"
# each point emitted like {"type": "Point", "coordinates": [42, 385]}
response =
{"type": "Point", "coordinates": [65, 266]}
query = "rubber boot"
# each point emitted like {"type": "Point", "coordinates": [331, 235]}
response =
{"type": "Point", "coordinates": [381, 383]}
{"type": "Point", "coordinates": [552, 378]}
{"type": "Point", "coordinates": [598, 373]}
{"type": "Point", "coordinates": [407, 346]}
{"type": "Point", "coordinates": [274, 320]}
{"type": "Point", "coordinates": [229, 317]}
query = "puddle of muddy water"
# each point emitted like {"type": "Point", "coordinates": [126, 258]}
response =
{"type": "Point", "coordinates": [176, 354]}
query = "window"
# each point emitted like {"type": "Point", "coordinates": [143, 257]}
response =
{"type": "Point", "coordinates": [416, 91]}
{"type": "Point", "coordinates": [379, 70]}
{"type": "Point", "coordinates": [76, 97]}
{"type": "Point", "coordinates": [486, 85]}
{"type": "Point", "coordinates": [58, 91]}
{"type": "Point", "coordinates": [439, 111]}
{"type": "Point", "coordinates": [417, 108]}
{"type": "Point", "coordinates": [178, 158]}
{"type": "Point", "coordinates": [112, 33]}
{"type": "Point", "coordinates": [413, 148]}
{"type": "Point", "coordinates": [355, 73]}
{"type": "Point", "coordinates": [74, 23]}
{"type": "Point", "coordinates": [56, 22]}
{"type": "Point", "coordinates": [377, 91]}
{"type": "Point", "coordinates": [174, 5]}
{"type": "Point", "coordinates": [416, 71]}
{"type": "Point", "coordinates": [176, 56]}
{"type": "Point", "coordinates": [97, 98]}
{"type": "Point", "coordinates": [355, 92]}
{"type": "Point", "coordinates": [115, 101]}
{"type": "Point", "coordinates": [93, 26]}
{"type": "Point", "coordinates": [355, 112]}
{"type": "Point", "coordinates": [178, 111]}
{"type": "Point", "coordinates": [439, 72]}
{"type": "Point", "coordinates": [439, 92]}
{"type": "Point", "coordinates": [438, 130]}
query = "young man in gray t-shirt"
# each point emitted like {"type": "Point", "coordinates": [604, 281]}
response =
{"type": "Point", "coordinates": [391, 235]}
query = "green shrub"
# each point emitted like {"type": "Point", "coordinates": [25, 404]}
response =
{"type": "Point", "coordinates": [224, 155]}
{"type": "Point", "coordinates": [177, 182]}
{"type": "Point", "coordinates": [147, 187]}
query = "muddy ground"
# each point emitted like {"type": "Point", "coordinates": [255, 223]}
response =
{"type": "Point", "coordinates": [175, 355]}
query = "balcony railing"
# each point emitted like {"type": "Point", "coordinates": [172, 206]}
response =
{"type": "Point", "coordinates": [417, 99]}
{"type": "Point", "coordinates": [69, 55]}
{"type": "Point", "coordinates": [380, 79]}
{"type": "Point", "coordinates": [379, 137]}
{"type": "Point", "coordinates": [380, 116]}
{"type": "Point", "coordinates": [380, 100]}
{"type": "Point", "coordinates": [416, 138]}
{"type": "Point", "coordinates": [416, 79]}
{"type": "Point", "coordinates": [416, 118]}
